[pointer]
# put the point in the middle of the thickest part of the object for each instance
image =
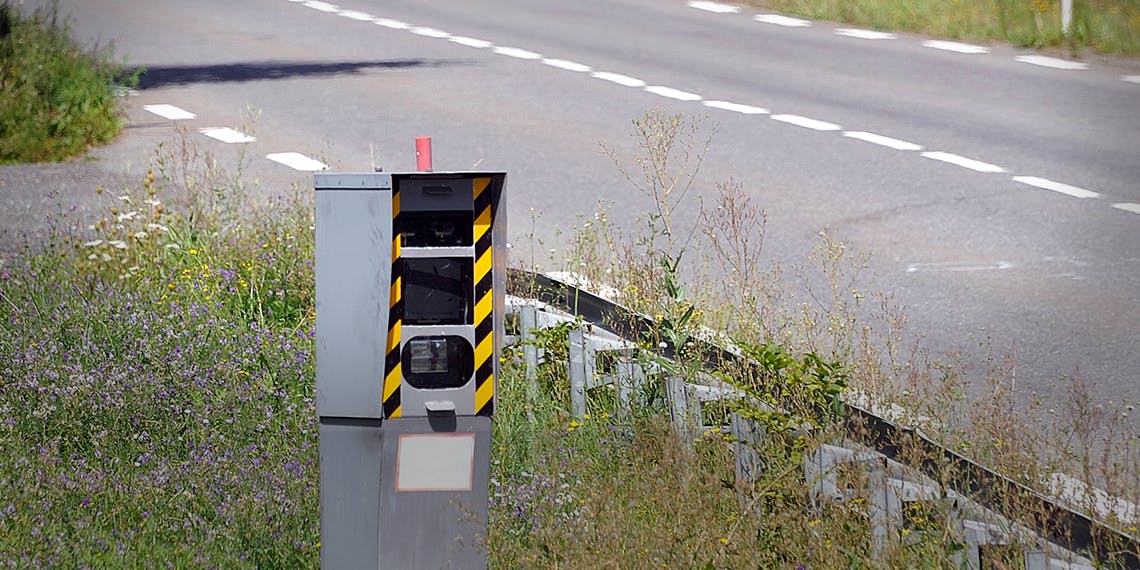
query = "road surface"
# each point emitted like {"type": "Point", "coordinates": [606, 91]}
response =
{"type": "Point", "coordinates": [998, 189]}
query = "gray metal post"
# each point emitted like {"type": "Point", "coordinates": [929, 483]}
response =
{"type": "Point", "coordinates": [748, 436]}
{"type": "Point", "coordinates": [528, 324]}
{"type": "Point", "coordinates": [1036, 560]}
{"type": "Point", "coordinates": [886, 510]}
{"type": "Point", "coordinates": [684, 410]}
{"type": "Point", "coordinates": [628, 376]}
{"type": "Point", "coordinates": [578, 372]}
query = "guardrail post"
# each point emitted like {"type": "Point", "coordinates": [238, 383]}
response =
{"type": "Point", "coordinates": [886, 510]}
{"type": "Point", "coordinates": [528, 323]}
{"type": "Point", "coordinates": [748, 435]}
{"type": "Point", "coordinates": [580, 357]}
{"type": "Point", "coordinates": [684, 410]}
{"type": "Point", "coordinates": [1036, 560]}
{"type": "Point", "coordinates": [749, 464]}
{"type": "Point", "coordinates": [629, 377]}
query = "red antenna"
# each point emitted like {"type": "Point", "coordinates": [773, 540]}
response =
{"type": "Point", "coordinates": [423, 154]}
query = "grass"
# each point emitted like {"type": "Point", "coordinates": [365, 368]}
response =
{"type": "Point", "coordinates": [158, 394]}
{"type": "Point", "coordinates": [156, 405]}
{"type": "Point", "coordinates": [1103, 26]}
{"type": "Point", "coordinates": [56, 98]}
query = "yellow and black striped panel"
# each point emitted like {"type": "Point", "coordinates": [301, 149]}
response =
{"type": "Point", "coordinates": [484, 300]}
{"type": "Point", "coordinates": [393, 373]}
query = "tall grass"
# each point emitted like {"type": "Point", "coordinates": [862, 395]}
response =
{"type": "Point", "coordinates": [56, 97]}
{"type": "Point", "coordinates": [1104, 26]}
{"type": "Point", "coordinates": [156, 400]}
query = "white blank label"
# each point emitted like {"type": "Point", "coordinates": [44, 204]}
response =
{"type": "Point", "coordinates": [435, 462]}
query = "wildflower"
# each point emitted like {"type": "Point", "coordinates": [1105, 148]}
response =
{"type": "Point", "coordinates": [4, 276]}
{"type": "Point", "coordinates": [724, 540]}
{"type": "Point", "coordinates": [93, 243]}
{"type": "Point", "coordinates": [193, 251]}
{"type": "Point", "coordinates": [118, 244]}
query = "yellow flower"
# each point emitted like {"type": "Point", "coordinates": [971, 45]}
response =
{"type": "Point", "coordinates": [724, 540]}
{"type": "Point", "coordinates": [193, 251]}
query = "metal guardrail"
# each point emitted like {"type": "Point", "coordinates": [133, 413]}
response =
{"type": "Point", "coordinates": [1059, 525]}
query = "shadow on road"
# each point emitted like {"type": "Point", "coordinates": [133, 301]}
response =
{"type": "Point", "coordinates": [162, 76]}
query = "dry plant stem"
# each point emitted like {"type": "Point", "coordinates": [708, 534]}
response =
{"type": "Point", "coordinates": [671, 149]}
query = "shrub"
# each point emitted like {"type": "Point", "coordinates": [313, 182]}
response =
{"type": "Point", "coordinates": [56, 98]}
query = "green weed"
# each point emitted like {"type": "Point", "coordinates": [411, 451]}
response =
{"type": "Point", "coordinates": [56, 98]}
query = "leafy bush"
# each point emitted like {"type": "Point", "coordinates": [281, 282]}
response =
{"type": "Point", "coordinates": [56, 98]}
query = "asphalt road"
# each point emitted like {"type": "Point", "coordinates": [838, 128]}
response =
{"type": "Point", "coordinates": [1001, 199]}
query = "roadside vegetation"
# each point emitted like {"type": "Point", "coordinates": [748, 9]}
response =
{"type": "Point", "coordinates": [1103, 26]}
{"type": "Point", "coordinates": [156, 399]}
{"type": "Point", "coordinates": [56, 97]}
{"type": "Point", "coordinates": [617, 488]}
{"type": "Point", "coordinates": [157, 387]}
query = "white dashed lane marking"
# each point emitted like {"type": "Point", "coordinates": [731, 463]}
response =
{"type": "Point", "coordinates": [170, 112]}
{"type": "Point", "coordinates": [624, 80]}
{"type": "Point", "coordinates": [301, 162]}
{"type": "Point", "coordinates": [807, 123]}
{"type": "Point", "coordinates": [391, 24]}
{"type": "Point", "coordinates": [1128, 207]}
{"type": "Point", "coordinates": [964, 162]}
{"type": "Point", "coordinates": [321, 6]}
{"type": "Point", "coordinates": [429, 32]}
{"type": "Point", "coordinates": [785, 21]}
{"type": "Point", "coordinates": [714, 7]}
{"type": "Point", "coordinates": [1047, 184]}
{"type": "Point", "coordinates": [470, 42]}
{"type": "Point", "coordinates": [957, 266]}
{"type": "Point", "coordinates": [297, 161]}
{"type": "Point", "coordinates": [673, 93]}
{"type": "Point", "coordinates": [1053, 62]}
{"type": "Point", "coordinates": [354, 15]}
{"type": "Point", "coordinates": [517, 52]}
{"type": "Point", "coordinates": [955, 46]}
{"type": "Point", "coordinates": [227, 135]}
{"type": "Point", "coordinates": [864, 34]}
{"type": "Point", "coordinates": [737, 108]}
{"type": "Point", "coordinates": [567, 65]}
{"type": "Point", "coordinates": [881, 140]}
